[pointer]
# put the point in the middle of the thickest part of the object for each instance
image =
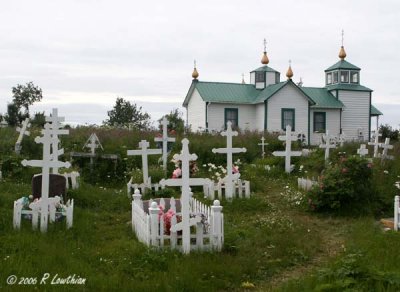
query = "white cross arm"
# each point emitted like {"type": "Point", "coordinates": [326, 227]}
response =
{"type": "Point", "coordinates": [148, 151]}
{"type": "Point", "coordinates": [180, 157]}
{"type": "Point", "coordinates": [177, 182]}
{"type": "Point", "coordinates": [179, 226]}
{"type": "Point", "coordinates": [158, 139]}
{"type": "Point", "coordinates": [387, 146]}
{"type": "Point", "coordinates": [39, 163]}
{"type": "Point", "coordinates": [58, 152]}
{"type": "Point", "coordinates": [292, 138]}
{"type": "Point", "coordinates": [25, 131]}
{"type": "Point", "coordinates": [226, 150]}
{"type": "Point", "coordinates": [283, 153]}
{"type": "Point", "coordinates": [58, 131]}
{"type": "Point", "coordinates": [327, 146]}
{"type": "Point", "coordinates": [43, 140]}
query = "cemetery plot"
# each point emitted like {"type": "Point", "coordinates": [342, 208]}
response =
{"type": "Point", "coordinates": [288, 153]}
{"type": "Point", "coordinates": [329, 144]}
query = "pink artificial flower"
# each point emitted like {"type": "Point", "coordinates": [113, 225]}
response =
{"type": "Point", "coordinates": [344, 170]}
{"type": "Point", "coordinates": [235, 169]}
{"type": "Point", "coordinates": [161, 212]}
{"type": "Point", "coordinates": [177, 173]}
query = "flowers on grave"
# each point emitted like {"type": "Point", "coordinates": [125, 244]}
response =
{"type": "Point", "coordinates": [177, 173]}
{"type": "Point", "coordinates": [218, 172]}
{"type": "Point", "coordinates": [26, 201]}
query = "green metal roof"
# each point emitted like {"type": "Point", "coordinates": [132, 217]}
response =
{"type": "Point", "coordinates": [342, 64]}
{"type": "Point", "coordinates": [265, 69]}
{"type": "Point", "coordinates": [375, 111]}
{"type": "Point", "coordinates": [322, 98]}
{"type": "Point", "coordinates": [268, 91]}
{"type": "Point", "coordinates": [350, 87]}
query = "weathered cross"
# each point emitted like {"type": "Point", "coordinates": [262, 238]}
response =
{"type": "Point", "coordinates": [386, 146]}
{"type": "Point", "coordinates": [165, 139]}
{"type": "Point", "coordinates": [288, 153]}
{"type": "Point", "coordinates": [22, 131]}
{"type": "Point", "coordinates": [92, 143]}
{"type": "Point", "coordinates": [185, 157]}
{"type": "Point", "coordinates": [46, 163]}
{"type": "Point", "coordinates": [229, 179]}
{"type": "Point", "coordinates": [363, 150]}
{"type": "Point", "coordinates": [56, 130]}
{"type": "Point", "coordinates": [329, 144]}
{"type": "Point", "coordinates": [263, 144]}
{"type": "Point", "coordinates": [145, 151]}
{"type": "Point", "coordinates": [376, 143]}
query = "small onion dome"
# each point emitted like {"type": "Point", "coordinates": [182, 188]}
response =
{"type": "Point", "coordinates": [342, 53]}
{"type": "Point", "coordinates": [195, 74]}
{"type": "Point", "coordinates": [289, 73]}
{"type": "Point", "coordinates": [264, 59]}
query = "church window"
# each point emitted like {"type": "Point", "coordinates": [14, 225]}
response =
{"type": "Point", "coordinates": [319, 122]}
{"type": "Point", "coordinates": [260, 76]}
{"type": "Point", "coordinates": [232, 115]}
{"type": "Point", "coordinates": [354, 77]}
{"type": "Point", "coordinates": [329, 78]}
{"type": "Point", "coordinates": [288, 118]}
{"type": "Point", "coordinates": [344, 76]}
{"type": "Point", "coordinates": [335, 77]}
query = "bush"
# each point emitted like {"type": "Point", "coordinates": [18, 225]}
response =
{"type": "Point", "coordinates": [345, 187]}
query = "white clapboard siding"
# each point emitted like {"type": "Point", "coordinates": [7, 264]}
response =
{"type": "Point", "coordinates": [288, 97]}
{"type": "Point", "coordinates": [356, 113]}
{"type": "Point", "coordinates": [332, 124]}
{"type": "Point", "coordinates": [216, 116]}
{"type": "Point", "coordinates": [260, 117]}
{"type": "Point", "coordinates": [196, 111]}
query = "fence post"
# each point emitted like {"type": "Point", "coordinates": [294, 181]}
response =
{"type": "Point", "coordinates": [216, 209]}
{"type": "Point", "coordinates": [396, 213]}
{"type": "Point", "coordinates": [247, 188]}
{"type": "Point", "coordinates": [153, 211]}
{"type": "Point", "coordinates": [70, 213]}
{"type": "Point", "coordinates": [17, 214]}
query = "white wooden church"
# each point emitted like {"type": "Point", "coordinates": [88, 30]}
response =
{"type": "Point", "coordinates": [343, 105]}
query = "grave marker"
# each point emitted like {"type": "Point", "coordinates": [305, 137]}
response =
{"type": "Point", "coordinates": [329, 144]}
{"type": "Point", "coordinates": [288, 153]}
{"type": "Point", "coordinates": [386, 146]}
{"type": "Point", "coordinates": [22, 131]}
{"type": "Point", "coordinates": [165, 139]}
{"type": "Point", "coordinates": [229, 165]}
{"type": "Point", "coordinates": [46, 163]}
{"type": "Point", "coordinates": [363, 150]}
{"type": "Point", "coordinates": [342, 139]}
{"type": "Point", "coordinates": [262, 144]}
{"type": "Point", "coordinates": [376, 143]}
{"type": "Point", "coordinates": [144, 152]}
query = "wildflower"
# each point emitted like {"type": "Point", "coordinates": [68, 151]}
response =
{"type": "Point", "coordinates": [247, 285]}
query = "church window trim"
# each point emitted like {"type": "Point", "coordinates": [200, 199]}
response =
{"type": "Point", "coordinates": [329, 78]}
{"type": "Point", "coordinates": [354, 77]}
{"type": "Point", "coordinates": [232, 115]}
{"type": "Point", "coordinates": [260, 76]}
{"type": "Point", "coordinates": [319, 125]}
{"type": "Point", "coordinates": [335, 77]}
{"type": "Point", "coordinates": [288, 117]}
{"type": "Point", "coordinates": [344, 76]}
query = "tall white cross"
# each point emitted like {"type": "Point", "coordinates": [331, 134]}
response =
{"type": "Point", "coordinates": [262, 144]}
{"type": "Point", "coordinates": [229, 180]}
{"type": "Point", "coordinates": [92, 143]}
{"type": "Point", "coordinates": [376, 143]}
{"type": "Point", "coordinates": [329, 144]}
{"type": "Point", "coordinates": [145, 151]}
{"type": "Point", "coordinates": [386, 146]}
{"type": "Point", "coordinates": [165, 139]}
{"type": "Point", "coordinates": [288, 153]}
{"type": "Point", "coordinates": [363, 150]}
{"type": "Point", "coordinates": [185, 157]}
{"type": "Point", "coordinates": [46, 163]}
{"type": "Point", "coordinates": [56, 130]}
{"type": "Point", "coordinates": [22, 131]}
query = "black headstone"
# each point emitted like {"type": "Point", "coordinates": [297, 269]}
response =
{"type": "Point", "coordinates": [57, 186]}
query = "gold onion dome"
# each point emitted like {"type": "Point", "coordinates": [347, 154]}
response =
{"type": "Point", "coordinates": [289, 73]}
{"type": "Point", "coordinates": [342, 53]}
{"type": "Point", "coordinates": [264, 59]}
{"type": "Point", "coordinates": [195, 74]}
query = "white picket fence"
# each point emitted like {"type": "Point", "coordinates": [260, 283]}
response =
{"type": "Point", "coordinates": [305, 183]}
{"type": "Point", "coordinates": [73, 178]}
{"type": "Point", "coordinates": [396, 212]}
{"type": "Point", "coordinates": [241, 189]}
{"type": "Point", "coordinates": [34, 212]}
{"type": "Point", "coordinates": [143, 186]}
{"type": "Point", "coordinates": [149, 226]}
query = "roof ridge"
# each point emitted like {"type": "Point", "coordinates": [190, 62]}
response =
{"type": "Point", "coordinates": [233, 83]}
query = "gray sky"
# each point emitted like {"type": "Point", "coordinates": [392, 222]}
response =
{"type": "Point", "coordinates": [85, 53]}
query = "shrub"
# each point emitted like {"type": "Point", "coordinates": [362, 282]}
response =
{"type": "Point", "coordinates": [345, 187]}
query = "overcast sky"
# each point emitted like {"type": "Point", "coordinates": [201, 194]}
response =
{"type": "Point", "coordinates": [86, 53]}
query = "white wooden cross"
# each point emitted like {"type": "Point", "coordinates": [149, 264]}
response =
{"type": "Point", "coordinates": [185, 157]}
{"type": "Point", "coordinates": [386, 146]}
{"type": "Point", "coordinates": [92, 143]}
{"type": "Point", "coordinates": [165, 139]}
{"type": "Point", "coordinates": [229, 180]}
{"type": "Point", "coordinates": [376, 143]}
{"type": "Point", "coordinates": [342, 139]}
{"type": "Point", "coordinates": [46, 163]}
{"type": "Point", "coordinates": [262, 144]}
{"type": "Point", "coordinates": [329, 144]}
{"type": "Point", "coordinates": [363, 150]}
{"type": "Point", "coordinates": [145, 151]}
{"type": "Point", "coordinates": [288, 153]}
{"type": "Point", "coordinates": [22, 131]}
{"type": "Point", "coordinates": [56, 130]}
